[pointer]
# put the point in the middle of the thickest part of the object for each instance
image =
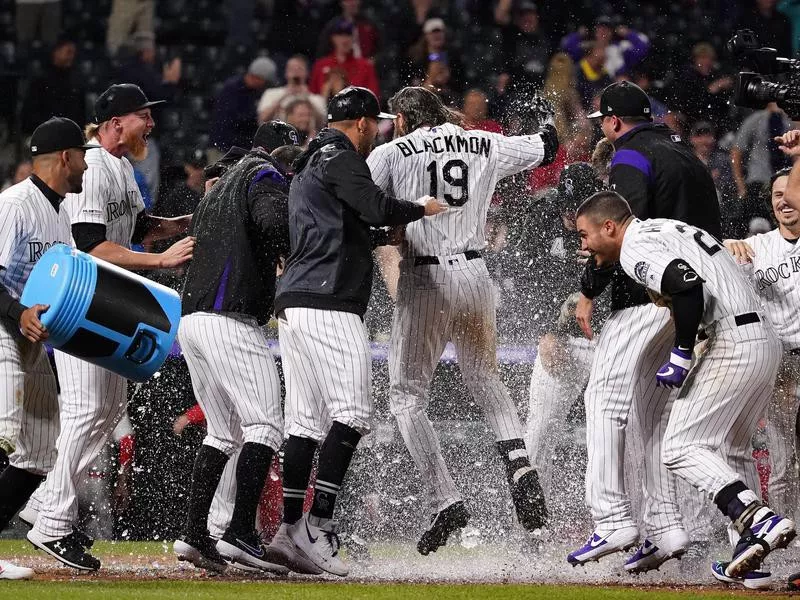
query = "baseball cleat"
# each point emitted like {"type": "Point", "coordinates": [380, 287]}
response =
{"type": "Point", "coordinates": [67, 550]}
{"type": "Point", "coordinates": [529, 501]}
{"type": "Point", "coordinates": [28, 517]}
{"type": "Point", "coordinates": [246, 552]}
{"type": "Point", "coordinates": [604, 543]}
{"type": "Point", "coordinates": [201, 552]}
{"type": "Point", "coordinates": [658, 549]}
{"type": "Point", "coordinates": [770, 532]}
{"type": "Point", "coordinates": [288, 554]}
{"type": "Point", "coordinates": [318, 539]}
{"type": "Point", "coordinates": [11, 571]}
{"type": "Point", "coordinates": [754, 580]}
{"type": "Point", "coordinates": [794, 582]}
{"type": "Point", "coordinates": [442, 524]}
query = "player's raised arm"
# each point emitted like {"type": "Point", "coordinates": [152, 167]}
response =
{"type": "Point", "coordinates": [522, 152]}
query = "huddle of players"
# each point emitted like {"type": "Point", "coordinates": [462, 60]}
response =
{"type": "Point", "coordinates": [703, 432]}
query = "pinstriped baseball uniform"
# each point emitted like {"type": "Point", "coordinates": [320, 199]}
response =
{"type": "Point", "coordinates": [713, 418]}
{"type": "Point", "coordinates": [450, 295]}
{"type": "Point", "coordinates": [775, 271]}
{"type": "Point", "coordinates": [234, 378]}
{"type": "Point", "coordinates": [92, 398]}
{"type": "Point", "coordinates": [29, 423]}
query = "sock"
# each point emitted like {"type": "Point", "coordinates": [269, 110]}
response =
{"type": "Point", "coordinates": [298, 456]}
{"type": "Point", "coordinates": [334, 460]}
{"type": "Point", "coordinates": [251, 471]}
{"type": "Point", "coordinates": [16, 487]}
{"type": "Point", "coordinates": [515, 458]}
{"type": "Point", "coordinates": [733, 500]}
{"type": "Point", "coordinates": [208, 467]}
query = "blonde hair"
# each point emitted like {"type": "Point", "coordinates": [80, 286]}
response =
{"type": "Point", "coordinates": [560, 87]}
{"type": "Point", "coordinates": [92, 130]}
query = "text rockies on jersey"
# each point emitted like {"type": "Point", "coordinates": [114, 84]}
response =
{"type": "Point", "coordinates": [770, 275]}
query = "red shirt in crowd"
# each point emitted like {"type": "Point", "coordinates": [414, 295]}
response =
{"type": "Point", "coordinates": [359, 72]}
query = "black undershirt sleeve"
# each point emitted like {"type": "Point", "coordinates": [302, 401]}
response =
{"type": "Point", "coordinates": [9, 307]}
{"type": "Point", "coordinates": [682, 283]}
{"type": "Point", "coordinates": [88, 235]}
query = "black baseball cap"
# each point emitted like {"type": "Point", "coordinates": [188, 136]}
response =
{"type": "Point", "coordinates": [275, 134]}
{"type": "Point", "coordinates": [57, 134]}
{"type": "Point", "coordinates": [576, 183]}
{"type": "Point", "coordinates": [353, 103]}
{"type": "Point", "coordinates": [623, 99]}
{"type": "Point", "coordinates": [121, 99]}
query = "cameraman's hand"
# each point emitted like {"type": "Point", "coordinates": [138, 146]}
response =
{"type": "Point", "coordinates": [789, 143]}
{"type": "Point", "coordinates": [723, 83]}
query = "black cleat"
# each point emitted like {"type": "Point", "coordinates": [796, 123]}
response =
{"type": "Point", "coordinates": [67, 550]}
{"type": "Point", "coordinates": [201, 551]}
{"type": "Point", "coordinates": [246, 552]}
{"type": "Point", "coordinates": [442, 525]}
{"type": "Point", "coordinates": [529, 501]}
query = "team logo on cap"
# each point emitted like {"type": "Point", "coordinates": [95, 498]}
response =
{"type": "Point", "coordinates": [293, 137]}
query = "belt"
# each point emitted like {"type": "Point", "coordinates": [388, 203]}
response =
{"type": "Point", "coordinates": [746, 319]}
{"type": "Point", "coordinates": [435, 260]}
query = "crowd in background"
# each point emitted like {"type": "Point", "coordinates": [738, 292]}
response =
{"type": "Point", "coordinates": [224, 67]}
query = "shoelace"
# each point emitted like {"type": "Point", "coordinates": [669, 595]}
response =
{"type": "Point", "coordinates": [332, 539]}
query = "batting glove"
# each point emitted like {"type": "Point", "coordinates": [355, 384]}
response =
{"type": "Point", "coordinates": [673, 373]}
{"type": "Point", "coordinates": [542, 111]}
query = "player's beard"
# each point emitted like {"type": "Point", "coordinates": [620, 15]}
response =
{"type": "Point", "coordinates": [75, 181]}
{"type": "Point", "coordinates": [136, 145]}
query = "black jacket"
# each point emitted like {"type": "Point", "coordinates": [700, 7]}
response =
{"type": "Point", "coordinates": [332, 203]}
{"type": "Point", "coordinates": [661, 178]}
{"type": "Point", "coordinates": [241, 226]}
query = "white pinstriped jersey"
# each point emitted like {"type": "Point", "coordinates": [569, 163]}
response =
{"type": "Point", "coordinates": [776, 276]}
{"type": "Point", "coordinates": [110, 196]}
{"type": "Point", "coordinates": [650, 246]}
{"type": "Point", "coordinates": [29, 226]}
{"type": "Point", "coordinates": [455, 165]}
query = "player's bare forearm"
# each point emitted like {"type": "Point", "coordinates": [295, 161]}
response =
{"type": "Point", "coordinates": [125, 258]}
{"type": "Point", "coordinates": [162, 228]}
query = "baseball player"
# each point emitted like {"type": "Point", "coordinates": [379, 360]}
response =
{"type": "Point", "coordinates": [32, 219]}
{"type": "Point", "coordinates": [107, 216]}
{"type": "Point", "coordinates": [321, 300]}
{"type": "Point", "coordinates": [725, 391]}
{"type": "Point", "coordinates": [241, 228]}
{"type": "Point", "coordinates": [445, 292]}
{"type": "Point", "coordinates": [661, 177]}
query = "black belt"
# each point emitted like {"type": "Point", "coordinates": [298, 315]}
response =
{"type": "Point", "coordinates": [746, 319]}
{"type": "Point", "coordinates": [434, 260]}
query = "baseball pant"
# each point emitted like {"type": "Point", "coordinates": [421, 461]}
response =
{"type": "Point", "coordinates": [234, 378]}
{"type": "Point", "coordinates": [453, 300]}
{"type": "Point", "coordinates": [327, 365]}
{"type": "Point", "coordinates": [633, 344]}
{"type": "Point", "coordinates": [29, 419]}
{"type": "Point", "coordinates": [92, 401]}
{"type": "Point", "coordinates": [221, 512]}
{"type": "Point", "coordinates": [552, 393]}
{"type": "Point", "coordinates": [713, 419]}
{"type": "Point", "coordinates": [784, 488]}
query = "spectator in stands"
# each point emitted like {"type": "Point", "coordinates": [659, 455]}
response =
{"type": "Point", "coordinates": [438, 80]}
{"type": "Point", "coordinates": [791, 8]}
{"type": "Point", "coordinates": [234, 119]}
{"type": "Point", "coordinates": [701, 92]}
{"type": "Point", "coordinates": [592, 75]}
{"type": "Point", "coordinates": [335, 81]}
{"type": "Point", "coordinates": [22, 170]}
{"type": "Point", "coordinates": [359, 71]}
{"type": "Point", "coordinates": [624, 46]}
{"type": "Point", "coordinates": [704, 143]}
{"type": "Point", "coordinates": [139, 65]}
{"type": "Point", "coordinates": [184, 197]}
{"type": "Point", "coordinates": [475, 111]}
{"type": "Point", "coordinates": [526, 48]}
{"type": "Point", "coordinates": [57, 91]}
{"type": "Point", "coordinates": [128, 17]}
{"type": "Point", "coordinates": [574, 129]}
{"type": "Point", "coordinates": [301, 114]}
{"type": "Point", "coordinates": [772, 28]}
{"type": "Point", "coordinates": [366, 39]}
{"type": "Point", "coordinates": [274, 100]}
{"type": "Point", "coordinates": [641, 77]}
{"type": "Point", "coordinates": [38, 20]}
{"type": "Point", "coordinates": [434, 46]}
{"type": "Point", "coordinates": [755, 157]}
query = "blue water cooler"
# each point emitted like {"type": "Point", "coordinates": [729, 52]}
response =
{"type": "Point", "coordinates": [102, 313]}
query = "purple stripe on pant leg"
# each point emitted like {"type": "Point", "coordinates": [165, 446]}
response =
{"type": "Point", "coordinates": [223, 285]}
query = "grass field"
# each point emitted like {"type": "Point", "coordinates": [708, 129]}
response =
{"type": "Point", "coordinates": [147, 570]}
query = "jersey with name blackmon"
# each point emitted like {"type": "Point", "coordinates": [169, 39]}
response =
{"type": "Point", "coordinates": [776, 276]}
{"type": "Point", "coordinates": [29, 226]}
{"type": "Point", "coordinates": [461, 167]}
{"type": "Point", "coordinates": [650, 246]}
{"type": "Point", "coordinates": [110, 196]}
